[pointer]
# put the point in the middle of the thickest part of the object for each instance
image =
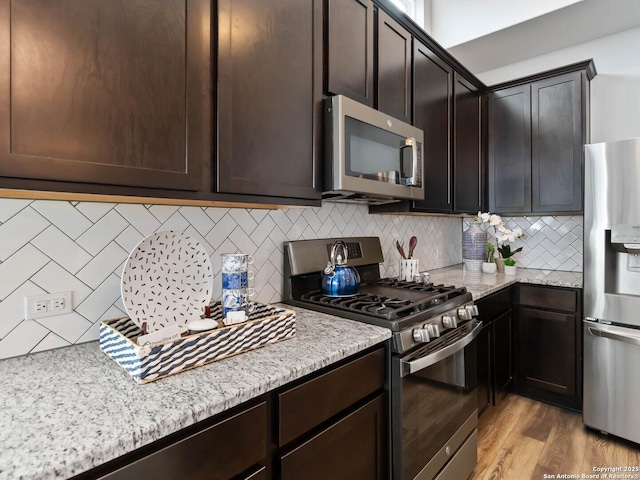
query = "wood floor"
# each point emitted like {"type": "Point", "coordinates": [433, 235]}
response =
{"type": "Point", "coordinates": [526, 439]}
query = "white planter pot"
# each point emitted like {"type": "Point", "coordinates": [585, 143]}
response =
{"type": "Point", "coordinates": [509, 269]}
{"type": "Point", "coordinates": [489, 267]}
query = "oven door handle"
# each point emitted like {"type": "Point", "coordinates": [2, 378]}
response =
{"type": "Point", "coordinates": [407, 367]}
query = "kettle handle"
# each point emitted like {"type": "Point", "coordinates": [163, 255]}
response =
{"type": "Point", "coordinates": [335, 260]}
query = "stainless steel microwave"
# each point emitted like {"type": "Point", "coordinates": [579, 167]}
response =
{"type": "Point", "coordinates": [371, 157]}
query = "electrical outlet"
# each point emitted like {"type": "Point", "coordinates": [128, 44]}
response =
{"type": "Point", "coordinates": [57, 304]}
{"type": "Point", "coordinates": [40, 306]}
{"type": "Point", "coordinates": [47, 305]}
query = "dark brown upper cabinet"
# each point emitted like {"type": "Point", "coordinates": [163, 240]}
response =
{"type": "Point", "coordinates": [510, 150]}
{"type": "Point", "coordinates": [448, 109]}
{"type": "Point", "coordinates": [537, 128]}
{"type": "Point", "coordinates": [558, 134]}
{"type": "Point", "coordinates": [433, 114]}
{"type": "Point", "coordinates": [350, 40]}
{"type": "Point", "coordinates": [468, 167]}
{"type": "Point", "coordinates": [103, 92]}
{"type": "Point", "coordinates": [269, 97]}
{"type": "Point", "coordinates": [394, 68]}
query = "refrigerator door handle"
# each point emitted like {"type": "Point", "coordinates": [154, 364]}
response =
{"type": "Point", "coordinates": [596, 332]}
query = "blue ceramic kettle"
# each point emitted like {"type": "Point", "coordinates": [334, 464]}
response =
{"type": "Point", "coordinates": [339, 279]}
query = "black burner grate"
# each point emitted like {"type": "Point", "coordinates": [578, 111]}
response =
{"type": "Point", "coordinates": [423, 298]}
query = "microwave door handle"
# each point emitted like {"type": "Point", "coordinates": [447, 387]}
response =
{"type": "Point", "coordinates": [413, 145]}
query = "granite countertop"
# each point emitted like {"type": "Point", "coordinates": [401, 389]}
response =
{"type": "Point", "coordinates": [65, 411]}
{"type": "Point", "coordinates": [483, 284]}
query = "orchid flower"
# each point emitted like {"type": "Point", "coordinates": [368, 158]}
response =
{"type": "Point", "coordinates": [503, 234]}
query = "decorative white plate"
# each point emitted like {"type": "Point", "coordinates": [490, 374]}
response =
{"type": "Point", "coordinates": [167, 280]}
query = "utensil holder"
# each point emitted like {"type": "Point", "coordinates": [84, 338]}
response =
{"type": "Point", "coordinates": [409, 268]}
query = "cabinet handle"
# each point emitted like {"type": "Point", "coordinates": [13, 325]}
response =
{"type": "Point", "coordinates": [596, 332]}
{"type": "Point", "coordinates": [449, 180]}
{"type": "Point", "coordinates": [479, 154]}
{"type": "Point", "coordinates": [451, 137]}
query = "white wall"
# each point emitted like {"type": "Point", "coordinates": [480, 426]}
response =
{"type": "Point", "coordinates": [456, 22]}
{"type": "Point", "coordinates": [615, 91]}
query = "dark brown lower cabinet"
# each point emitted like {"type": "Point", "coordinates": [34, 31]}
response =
{"type": "Point", "coordinates": [502, 352]}
{"type": "Point", "coordinates": [235, 447]}
{"type": "Point", "coordinates": [483, 348]}
{"type": "Point", "coordinates": [548, 345]}
{"type": "Point", "coordinates": [331, 424]}
{"type": "Point", "coordinates": [546, 352]}
{"type": "Point", "coordinates": [354, 448]}
{"type": "Point", "coordinates": [334, 425]}
{"type": "Point", "coordinates": [494, 347]}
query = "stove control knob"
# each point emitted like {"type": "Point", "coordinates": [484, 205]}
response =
{"type": "Point", "coordinates": [421, 335]}
{"type": "Point", "coordinates": [464, 314]}
{"type": "Point", "coordinates": [473, 309]}
{"type": "Point", "coordinates": [434, 330]}
{"type": "Point", "coordinates": [449, 321]}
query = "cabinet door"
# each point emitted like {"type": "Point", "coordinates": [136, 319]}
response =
{"type": "Point", "coordinates": [350, 49]}
{"type": "Point", "coordinates": [467, 171]}
{"type": "Point", "coordinates": [483, 345]}
{"type": "Point", "coordinates": [351, 449]}
{"type": "Point", "coordinates": [502, 361]}
{"type": "Point", "coordinates": [546, 352]}
{"type": "Point", "coordinates": [432, 104]}
{"type": "Point", "coordinates": [558, 136]}
{"type": "Point", "coordinates": [394, 68]}
{"type": "Point", "coordinates": [103, 91]}
{"type": "Point", "coordinates": [510, 150]}
{"type": "Point", "coordinates": [269, 97]}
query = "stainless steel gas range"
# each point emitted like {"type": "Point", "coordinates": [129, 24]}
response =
{"type": "Point", "coordinates": [434, 414]}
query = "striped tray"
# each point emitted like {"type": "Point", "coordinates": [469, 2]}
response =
{"type": "Point", "coordinates": [267, 324]}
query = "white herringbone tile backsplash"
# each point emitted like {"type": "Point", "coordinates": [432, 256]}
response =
{"type": "Point", "coordinates": [54, 246]}
{"type": "Point", "coordinates": [550, 243]}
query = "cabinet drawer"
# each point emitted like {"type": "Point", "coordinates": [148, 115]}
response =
{"type": "Point", "coordinates": [561, 299]}
{"type": "Point", "coordinates": [311, 403]}
{"type": "Point", "coordinates": [351, 449]}
{"type": "Point", "coordinates": [494, 305]}
{"type": "Point", "coordinates": [219, 452]}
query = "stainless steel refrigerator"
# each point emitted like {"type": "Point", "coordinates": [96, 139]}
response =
{"type": "Point", "coordinates": [611, 325]}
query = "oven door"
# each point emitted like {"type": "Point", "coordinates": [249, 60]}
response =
{"type": "Point", "coordinates": [434, 408]}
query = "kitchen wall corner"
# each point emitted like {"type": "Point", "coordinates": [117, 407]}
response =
{"type": "Point", "coordinates": [52, 246]}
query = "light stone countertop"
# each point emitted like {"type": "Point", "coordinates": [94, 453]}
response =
{"type": "Point", "coordinates": [65, 411]}
{"type": "Point", "coordinates": [483, 284]}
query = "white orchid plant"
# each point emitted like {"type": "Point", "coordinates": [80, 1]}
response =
{"type": "Point", "coordinates": [503, 234]}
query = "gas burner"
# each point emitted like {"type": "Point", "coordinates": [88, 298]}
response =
{"type": "Point", "coordinates": [390, 308]}
{"type": "Point", "coordinates": [401, 306]}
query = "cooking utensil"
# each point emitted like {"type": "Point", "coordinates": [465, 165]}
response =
{"type": "Point", "coordinates": [400, 247]}
{"type": "Point", "coordinates": [413, 241]}
{"type": "Point", "coordinates": [339, 279]}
